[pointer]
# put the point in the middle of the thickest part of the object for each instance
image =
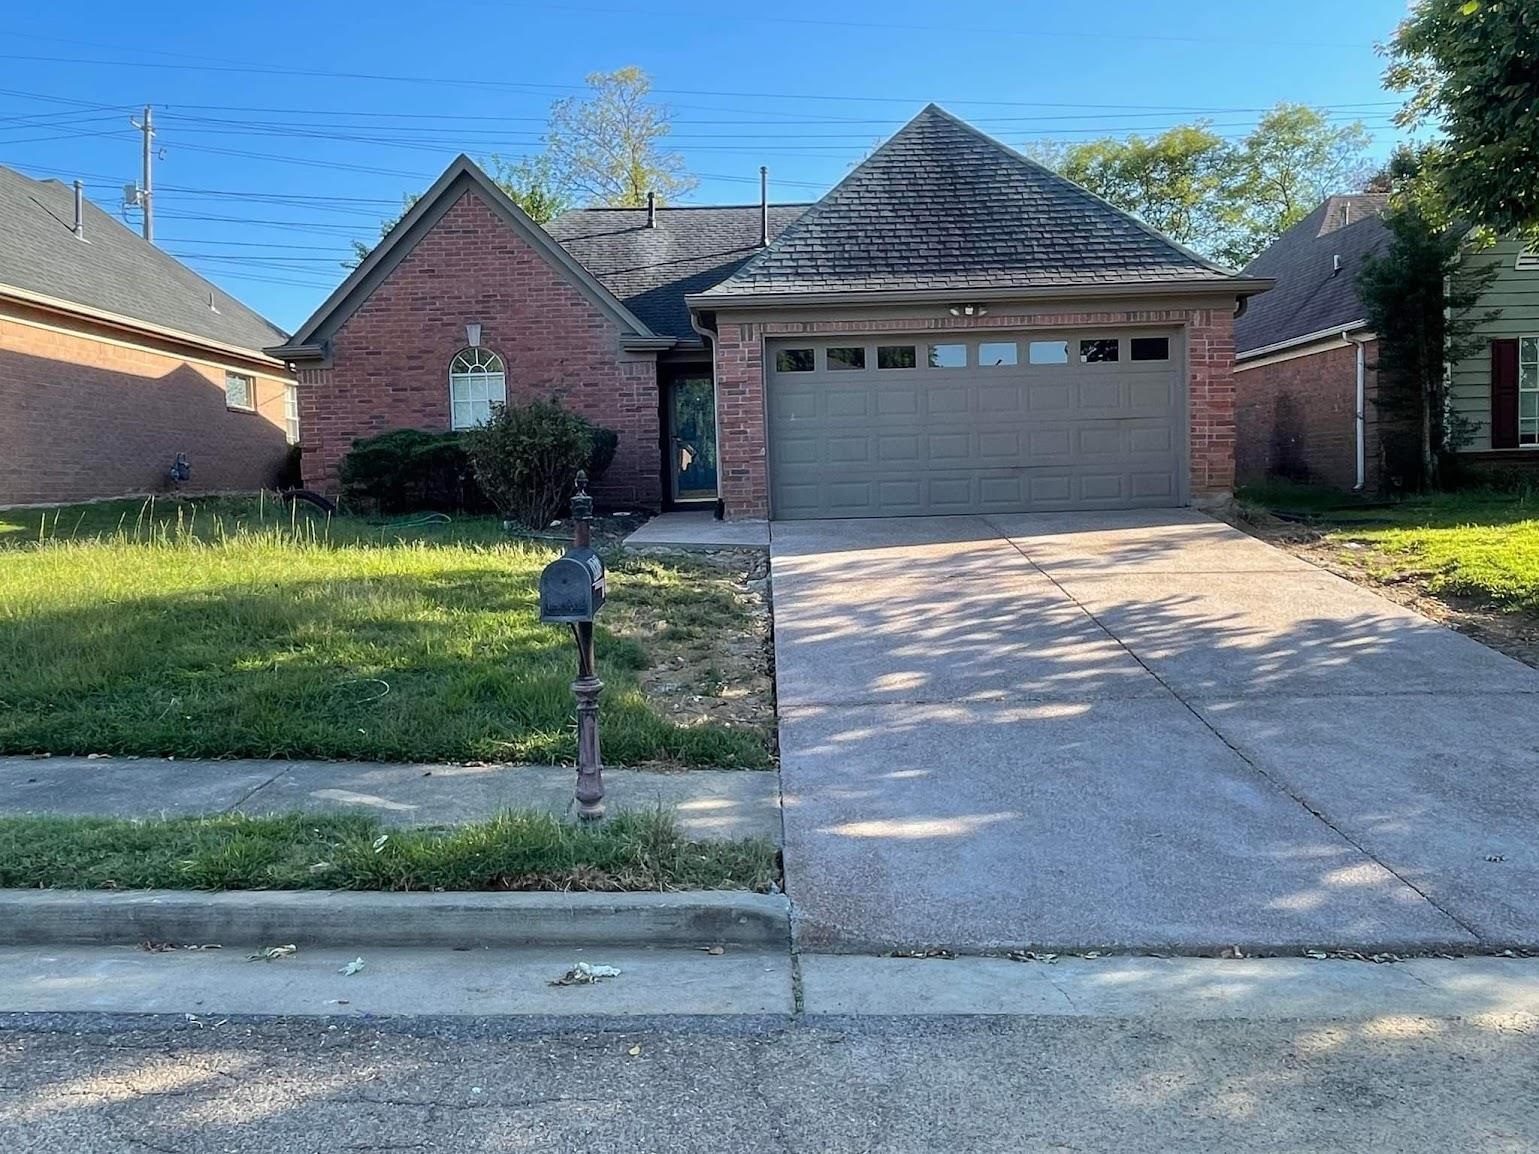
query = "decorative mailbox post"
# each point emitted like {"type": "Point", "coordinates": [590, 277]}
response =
{"type": "Point", "coordinates": [571, 593]}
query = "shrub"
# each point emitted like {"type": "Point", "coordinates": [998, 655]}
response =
{"type": "Point", "coordinates": [526, 458]}
{"type": "Point", "coordinates": [605, 442]}
{"type": "Point", "coordinates": [410, 469]}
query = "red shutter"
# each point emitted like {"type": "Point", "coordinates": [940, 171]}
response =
{"type": "Point", "coordinates": [1504, 394]}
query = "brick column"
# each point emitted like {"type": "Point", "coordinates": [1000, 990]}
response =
{"type": "Point", "coordinates": [1210, 360]}
{"type": "Point", "coordinates": [740, 420]}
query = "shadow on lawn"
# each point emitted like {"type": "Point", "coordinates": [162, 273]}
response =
{"type": "Point", "coordinates": [448, 666]}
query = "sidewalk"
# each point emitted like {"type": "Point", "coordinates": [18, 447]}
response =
{"type": "Point", "coordinates": [709, 804]}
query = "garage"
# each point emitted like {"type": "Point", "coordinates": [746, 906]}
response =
{"type": "Point", "coordinates": [977, 423]}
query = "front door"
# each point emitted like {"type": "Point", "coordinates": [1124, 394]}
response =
{"type": "Point", "coordinates": [692, 438]}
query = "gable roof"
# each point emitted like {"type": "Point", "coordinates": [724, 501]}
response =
{"type": "Point", "coordinates": [941, 206]}
{"type": "Point", "coordinates": [462, 176]}
{"type": "Point", "coordinates": [652, 269]}
{"type": "Point", "coordinates": [1311, 297]}
{"type": "Point", "coordinates": [113, 270]}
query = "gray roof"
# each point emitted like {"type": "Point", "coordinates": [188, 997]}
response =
{"type": "Point", "coordinates": [653, 269]}
{"type": "Point", "coordinates": [942, 206]}
{"type": "Point", "coordinates": [114, 270]}
{"type": "Point", "coordinates": [1310, 296]}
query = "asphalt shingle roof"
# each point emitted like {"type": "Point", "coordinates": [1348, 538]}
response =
{"type": "Point", "coordinates": [942, 206]}
{"type": "Point", "coordinates": [1310, 296]}
{"type": "Point", "coordinates": [651, 270]}
{"type": "Point", "coordinates": [114, 270]}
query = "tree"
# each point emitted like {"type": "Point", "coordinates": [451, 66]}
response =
{"type": "Point", "coordinates": [1421, 299]}
{"type": "Point", "coordinates": [1227, 200]}
{"type": "Point", "coordinates": [608, 147]}
{"type": "Point", "coordinates": [1174, 182]}
{"type": "Point", "coordinates": [529, 181]}
{"type": "Point", "coordinates": [1472, 68]}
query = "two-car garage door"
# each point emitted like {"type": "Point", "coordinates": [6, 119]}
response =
{"type": "Point", "coordinates": [898, 425]}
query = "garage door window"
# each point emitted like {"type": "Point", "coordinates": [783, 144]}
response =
{"type": "Point", "coordinates": [1150, 348]}
{"type": "Point", "coordinates": [992, 354]}
{"type": "Point", "coordinates": [794, 361]}
{"type": "Point", "coordinates": [896, 357]}
{"type": "Point", "coordinates": [948, 356]}
{"type": "Point", "coordinates": [1048, 353]}
{"type": "Point", "coordinates": [1098, 352]}
{"type": "Point", "coordinates": [847, 358]}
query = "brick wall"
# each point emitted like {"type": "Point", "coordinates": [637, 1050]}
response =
{"type": "Point", "coordinates": [389, 364]}
{"type": "Point", "coordinates": [87, 411]}
{"type": "Point", "coordinates": [740, 386]}
{"type": "Point", "coordinates": [1295, 420]}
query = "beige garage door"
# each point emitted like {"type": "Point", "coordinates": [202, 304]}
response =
{"type": "Point", "coordinates": [904, 426]}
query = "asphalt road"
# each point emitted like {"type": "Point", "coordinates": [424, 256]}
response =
{"type": "Point", "coordinates": [89, 1084]}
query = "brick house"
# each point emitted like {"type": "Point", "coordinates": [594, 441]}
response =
{"type": "Point", "coordinates": [952, 328]}
{"type": "Point", "coordinates": [115, 357]}
{"type": "Point", "coordinates": [1305, 379]}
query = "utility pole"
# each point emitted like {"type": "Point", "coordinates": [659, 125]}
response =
{"type": "Point", "coordinates": [145, 192]}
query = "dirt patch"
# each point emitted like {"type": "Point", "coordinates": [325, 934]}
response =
{"type": "Point", "coordinates": [721, 670]}
{"type": "Point", "coordinates": [1513, 632]}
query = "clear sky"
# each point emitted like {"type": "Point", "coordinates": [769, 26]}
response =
{"type": "Point", "coordinates": [287, 128]}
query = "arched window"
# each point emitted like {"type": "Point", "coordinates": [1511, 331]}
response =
{"type": "Point", "coordinates": [476, 383]}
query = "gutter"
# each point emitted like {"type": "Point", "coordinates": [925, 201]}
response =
{"type": "Point", "coordinates": [707, 331]}
{"type": "Point", "coordinates": [1305, 339]}
{"type": "Point", "coordinates": [1240, 286]}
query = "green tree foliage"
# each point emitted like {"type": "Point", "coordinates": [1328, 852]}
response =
{"type": "Point", "coordinates": [1471, 68]}
{"type": "Point", "coordinates": [609, 146]}
{"type": "Point", "coordinates": [1226, 199]}
{"type": "Point", "coordinates": [1421, 299]}
{"type": "Point", "coordinates": [526, 458]}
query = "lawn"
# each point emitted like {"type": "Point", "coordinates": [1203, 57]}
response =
{"type": "Point", "coordinates": [1480, 544]}
{"type": "Point", "coordinates": [230, 628]}
{"type": "Point", "coordinates": [514, 851]}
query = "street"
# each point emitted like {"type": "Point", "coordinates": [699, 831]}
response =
{"type": "Point", "coordinates": [93, 1084]}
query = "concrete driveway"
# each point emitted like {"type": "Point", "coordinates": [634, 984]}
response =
{"type": "Point", "coordinates": [1138, 730]}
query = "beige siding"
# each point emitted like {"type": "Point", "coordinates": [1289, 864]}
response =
{"type": "Point", "coordinates": [1516, 293]}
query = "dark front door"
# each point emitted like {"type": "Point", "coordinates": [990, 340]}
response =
{"type": "Point", "coordinates": [692, 438]}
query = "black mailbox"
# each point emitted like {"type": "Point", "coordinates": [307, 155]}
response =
{"type": "Point", "coordinates": [572, 587]}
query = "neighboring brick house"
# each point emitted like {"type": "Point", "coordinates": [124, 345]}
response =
{"type": "Point", "coordinates": [953, 328]}
{"type": "Point", "coordinates": [115, 357]}
{"type": "Point", "coordinates": [1305, 359]}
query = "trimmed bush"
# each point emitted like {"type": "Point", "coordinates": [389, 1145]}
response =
{"type": "Point", "coordinates": [410, 469]}
{"type": "Point", "coordinates": [526, 458]}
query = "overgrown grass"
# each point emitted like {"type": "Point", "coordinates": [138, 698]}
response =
{"type": "Point", "coordinates": [228, 629]}
{"type": "Point", "coordinates": [514, 851]}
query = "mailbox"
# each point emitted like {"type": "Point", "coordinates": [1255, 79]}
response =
{"type": "Point", "coordinates": [572, 587]}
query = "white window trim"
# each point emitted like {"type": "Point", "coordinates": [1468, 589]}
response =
{"type": "Point", "coordinates": [468, 367]}
{"type": "Point", "coordinates": [249, 406]}
{"type": "Point", "coordinates": [291, 413]}
{"type": "Point", "coordinates": [1528, 357]}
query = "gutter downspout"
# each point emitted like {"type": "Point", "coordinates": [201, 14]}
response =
{"type": "Point", "coordinates": [1359, 420]}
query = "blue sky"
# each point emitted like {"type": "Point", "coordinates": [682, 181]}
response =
{"type": "Point", "coordinates": [288, 128]}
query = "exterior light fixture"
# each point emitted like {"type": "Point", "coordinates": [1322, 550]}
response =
{"type": "Point", "coordinates": [968, 311]}
{"type": "Point", "coordinates": [473, 336]}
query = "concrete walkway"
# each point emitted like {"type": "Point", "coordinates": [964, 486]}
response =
{"type": "Point", "coordinates": [1144, 730]}
{"type": "Point", "coordinates": [707, 803]}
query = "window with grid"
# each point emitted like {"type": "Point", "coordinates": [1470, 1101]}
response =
{"type": "Point", "coordinates": [476, 383]}
{"type": "Point", "coordinates": [1528, 391]}
{"type": "Point", "coordinates": [291, 413]}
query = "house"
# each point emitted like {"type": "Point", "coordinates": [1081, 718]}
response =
{"type": "Point", "coordinates": [951, 329]}
{"type": "Point", "coordinates": [115, 358]}
{"type": "Point", "coordinates": [1305, 383]}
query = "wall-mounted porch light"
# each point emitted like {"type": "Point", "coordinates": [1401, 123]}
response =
{"type": "Point", "coordinates": [968, 311]}
{"type": "Point", "coordinates": [473, 336]}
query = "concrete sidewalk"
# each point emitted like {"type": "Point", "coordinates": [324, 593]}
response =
{"type": "Point", "coordinates": [709, 804]}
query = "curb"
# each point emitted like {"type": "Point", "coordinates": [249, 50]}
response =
{"type": "Point", "coordinates": [349, 919]}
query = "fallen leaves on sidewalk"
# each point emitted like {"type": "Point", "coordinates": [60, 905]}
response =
{"type": "Point", "coordinates": [153, 947]}
{"type": "Point", "coordinates": [352, 967]}
{"type": "Point", "coordinates": [1031, 956]}
{"type": "Point", "coordinates": [273, 953]}
{"type": "Point", "coordinates": [585, 974]}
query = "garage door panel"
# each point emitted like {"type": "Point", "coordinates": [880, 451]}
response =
{"type": "Point", "coordinates": [980, 438]}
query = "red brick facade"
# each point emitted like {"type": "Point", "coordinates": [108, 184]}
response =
{"type": "Point", "coordinates": [740, 386]}
{"type": "Point", "coordinates": [389, 364]}
{"type": "Point", "coordinates": [91, 411]}
{"type": "Point", "coordinates": [1295, 419]}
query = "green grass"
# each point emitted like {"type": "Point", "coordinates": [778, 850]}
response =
{"type": "Point", "coordinates": [228, 629]}
{"type": "Point", "coordinates": [514, 851]}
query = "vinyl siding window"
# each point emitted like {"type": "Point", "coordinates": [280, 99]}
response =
{"type": "Point", "coordinates": [1528, 391]}
{"type": "Point", "coordinates": [476, 383]}
{"type": "Point", "coordinates": [239, 391]}
{"type": "Point", "coordinates": [291, 413]}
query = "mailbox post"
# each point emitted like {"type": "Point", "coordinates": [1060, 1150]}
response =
{"type": "Point", "coordinates": [572, 590]}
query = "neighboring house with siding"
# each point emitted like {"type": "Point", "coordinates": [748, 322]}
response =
{"type": "Point", "coordinates": [115, 358]}
{"type": "Point", "coordinates": [952, 328]}
{"type": "Point", "coordinates": [1305, 384]}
